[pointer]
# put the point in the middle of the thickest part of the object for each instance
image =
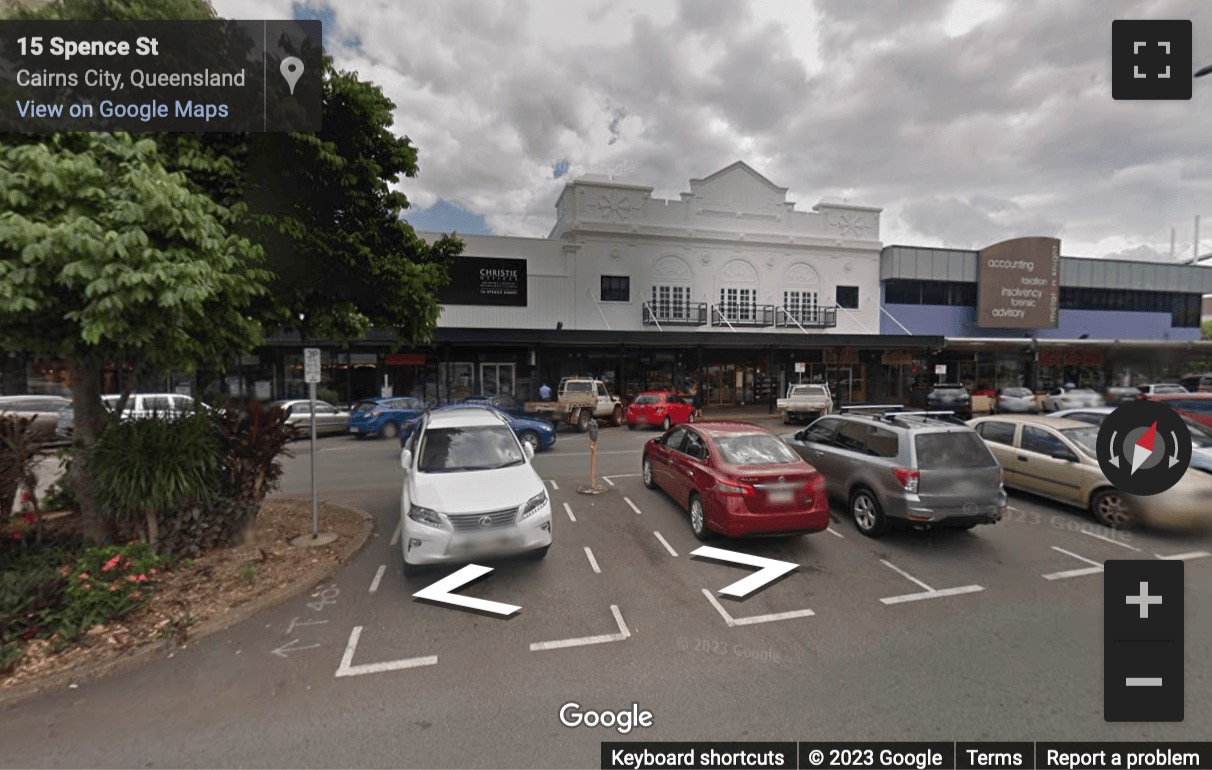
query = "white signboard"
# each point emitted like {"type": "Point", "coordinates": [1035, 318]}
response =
{"type": "Point", "coordinates": [800, 367]}
{"type": "Point", "coordinates": [311, 365]}
{"type": "Point", "coordinates": [940, 369]}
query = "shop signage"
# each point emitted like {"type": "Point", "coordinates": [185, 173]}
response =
{"type": "Point", "coordinates": [800, 368]}
{"type": "Point", "coordinates": [1018, 284]}
{"type": "Point", "coordinates": [897, 358]}
{"type": "Point", "coordinates": [486, 281]}
{"type": "Point", "coordinates": [1071, 357]}
{"type": "Point", "coordinates": [405, 359]}
{"type": "Point", "coordinates": [940, 370]}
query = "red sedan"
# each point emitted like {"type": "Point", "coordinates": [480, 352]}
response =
{"type": "Point", "coordinates": [736, 479]}
{"type": "Point", "coordinates": [659, 407]}
{"type": "Point", "coordinates": [1196, 406]}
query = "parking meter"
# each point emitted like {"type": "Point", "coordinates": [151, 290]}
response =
{"type": "Point", "coordinates": [593, 431]}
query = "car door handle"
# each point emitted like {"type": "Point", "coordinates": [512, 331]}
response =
{"type": "Point", "coordinates": [1023, 458]}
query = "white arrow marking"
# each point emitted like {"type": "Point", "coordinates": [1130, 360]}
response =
{"type": "Point", "coordinates": [1114, 459]}
{"type": "Point", "coordinates": [768, 569]}
{"type": "Point", "coordinates": [295, 624]}
{"type": "Point", "coordinates": [290, 647]}
{"type": "Point", "coordinates": [441, 592]}
{"type": "Point", "coordinates": [1174, 457]}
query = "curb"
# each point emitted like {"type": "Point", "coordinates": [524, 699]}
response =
{"type": "Point", "coordinates": [90, 672]}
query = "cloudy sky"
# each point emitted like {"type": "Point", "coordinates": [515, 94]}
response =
{"type": "Point", "coordinates": [968, 121]}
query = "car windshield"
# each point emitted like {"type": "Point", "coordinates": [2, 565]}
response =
{"type": "Point", "coordinates": [471, 448]}
{"type": "Point", "coordinates": [1086, 440]}
{"type": "Point", "coordinates": [364, 406]}
{"type": "Point", "coordinates": [754, 449]}
{"type": "Point", "coordinates": [953, 449]}
{"type": "Point", "coordinates": [647, 399]}
{"type": "Point", "coordinates": [1082, 392]}
{"type": "Point", "coordinates": [1017, 392]}
{"type": "Point", "coordinates": [578, 387]}
{"type": "Point", "coordinates": [808, 390]}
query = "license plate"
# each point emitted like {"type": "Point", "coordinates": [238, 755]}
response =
{"type": "Point", "coordinates": [782, 496]}
{"type": "Point", "coordinates": [482, 544]}
{"type": "Point", "coordinates": [353, 430]}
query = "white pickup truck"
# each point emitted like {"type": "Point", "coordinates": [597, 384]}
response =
{"type": "Point", "coordinates": [580, 401]}
{"type": "Point", "coordinates": [805, 402]}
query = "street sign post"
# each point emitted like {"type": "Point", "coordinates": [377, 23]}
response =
{"type": "Point", "coordinates": [800, 368]}
{"type": "Point", "coordinates": [311, 375]}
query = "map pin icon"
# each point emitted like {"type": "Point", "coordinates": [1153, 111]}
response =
{"type": "Point", "coordinates": [292, 70]}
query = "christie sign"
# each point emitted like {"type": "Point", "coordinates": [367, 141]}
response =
{"type": "Point", "coordinates": [1018, 284]}
{"type": "Point", "coordinates": [486, 281]}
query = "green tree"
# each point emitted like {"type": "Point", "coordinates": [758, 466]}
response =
{"type": "Point", "coordinates": [107, 256]}
{"type": "Point", "coordinates": [1205, 330]}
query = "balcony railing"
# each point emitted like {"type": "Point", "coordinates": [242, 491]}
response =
{"type": "Point", "coordinates": [686, 314]}
{"type": "Point", "coordinates": [820, 318]}
{"type": "Point", "coordinates": [747, 316]}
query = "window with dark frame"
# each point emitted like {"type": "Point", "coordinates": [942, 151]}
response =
{"type": "Point", "coordinates": [616, 288]}
{"type": "Point", "coordinates": [848, 297]}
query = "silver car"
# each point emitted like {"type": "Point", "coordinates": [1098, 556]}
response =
{"type": "Point", "coordinates": [923, 469]}
{"type": "Point", "coordinates": [1201, 435]}
{"type": "Point", "coordinates": [1016, 400]}
{"type": "Point", "coordinates": [329, 419]}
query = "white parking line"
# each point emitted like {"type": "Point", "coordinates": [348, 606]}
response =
{"type": "Point", "coordinates": [607, 480]}
{"type": "Point", "coordinates": [835, 533]}
{"type": "Point", "coordinates": [374, 584]}
{"type": "Point", "coordinates": [611, 452]}
{"type": "Point", "coordinates": [628, 501]}
{"type": "Point", "coordinates": [561, 643]}
{"type": "Point", "coordinates": [395, 536]}
{"type": "Point", "coordinates": [592, 561]}
{"type": "Point", "coordinates": [665, 543]}
{"type": "Point", "coordinates": [1111, 540]}
{"type": "Point", "coordinates": [348, 669]}
{"type": "Point", "coordinates": [929, 593]}
{"type": "Point", "coordinates": [554, 485]}
{"type": "Point", "coordinates": [568, 510]}
{"type": "Point", "coordinates": [1072, 573]}
{"type": "Point", "coordinates": [1185, 556]}
{"type": "Point", "coordinates": [749, 621]}
{"type": "Point", "coordinates": [621, 476]}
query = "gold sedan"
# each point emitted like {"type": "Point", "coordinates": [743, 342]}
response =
{"type": "Point", "coordinates": [1056, 458]}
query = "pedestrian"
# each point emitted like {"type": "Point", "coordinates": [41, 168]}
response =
{"type": "Point", "coordinates": [545, 392]}
{"type": "Point", "coordinates": [696, 398]}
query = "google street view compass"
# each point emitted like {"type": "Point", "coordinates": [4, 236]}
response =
{"type": "Point", "coordinates": [1144, 448]}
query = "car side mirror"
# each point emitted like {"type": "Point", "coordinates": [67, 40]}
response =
{"type": "Point", "coordinates": [528, 450]}
{"type": "Point", "coordinates": [1064, 454]}
{"type": "Point", "coordinates": [800, 435]}
{"type": "Point", "coordinates": [406, 459]}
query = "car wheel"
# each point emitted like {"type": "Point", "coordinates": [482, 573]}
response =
{"type": "Point", "coordinates": [868, 517]}
{"type": "Point", "coordinates": [1111, 509]}
{"type": "Point", "coordinates": [583, 418]}
{"type": "Point", "coordinates": [389, 430]}
{"type": "Point", "coordinates": [698, 518]}
{"type": "Point", "coordinates": [665, 423]}
{"type": "Point", "coordinates": [538, 554]}
{"type": "Point", "coordinates": [532, 438]}
{"type": "Point", "coordinates": [646, 473]}
{"type": "Point", "coordinates": [616, 417]}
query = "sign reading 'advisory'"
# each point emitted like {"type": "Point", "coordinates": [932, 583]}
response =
{"type": "Point", "coordinates": [486, 281]}
{"type": "Point", "coordinates": [1018, 284]}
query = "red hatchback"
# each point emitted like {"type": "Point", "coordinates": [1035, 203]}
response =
{"type": "Point", "coordinates": [736, 479]}
{"type": "Point", "coordinates": [659, 407]}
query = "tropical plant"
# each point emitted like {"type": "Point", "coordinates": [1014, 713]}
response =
{"type": "Point", "coordinates": [108, 583]}
{"type": "Point", "coordinates": [21, 447]}
{"type": "Point", "coordinates": [33, 588]}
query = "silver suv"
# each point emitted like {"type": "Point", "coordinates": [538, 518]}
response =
{"type": "Point", "coordinates": [924, 469]}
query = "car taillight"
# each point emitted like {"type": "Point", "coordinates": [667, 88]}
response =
{"type": "Point", "coordinates": [738, 488]}
{"type": "Point", "coordinates": [907, 478]}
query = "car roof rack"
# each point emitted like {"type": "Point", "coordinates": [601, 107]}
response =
{"type": "Point", "coordinates": [868, 407]}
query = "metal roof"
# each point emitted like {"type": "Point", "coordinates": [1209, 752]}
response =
{"type": "Point", "coordinates": [958, 265]}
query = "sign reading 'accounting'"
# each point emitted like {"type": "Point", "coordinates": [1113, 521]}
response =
{"type": "Point", "coordinates": [1019, 284]}
{"type": "Point", "coordinates": [486, 281]}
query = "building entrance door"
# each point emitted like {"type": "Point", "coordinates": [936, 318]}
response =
{"type": "Point", "coordinates": [497, 379]}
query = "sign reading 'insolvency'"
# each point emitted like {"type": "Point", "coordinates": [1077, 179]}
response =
{"type": "Point", "coordinates": [1018, 284]}
{"type": "Point", "coordinates": [486, 281]}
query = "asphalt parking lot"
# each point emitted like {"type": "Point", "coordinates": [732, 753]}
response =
{"type": "Point", "coordinates": [991, 634]}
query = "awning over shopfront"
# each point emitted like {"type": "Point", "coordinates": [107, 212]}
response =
{"type": "Point", "coordinates": [1023, 344]}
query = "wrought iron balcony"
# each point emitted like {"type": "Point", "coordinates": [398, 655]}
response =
{"type": "Point", "coordinates": [818, 318]}
{"type": "Point", "coordinates": [683, 314]}
{"type": "Point", "coordinates": [742, 315]}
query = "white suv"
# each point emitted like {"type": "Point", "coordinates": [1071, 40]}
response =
{"type": "Point", "coordinates": [470, 492]}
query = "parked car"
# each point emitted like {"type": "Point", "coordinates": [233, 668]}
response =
{"type": "Point", "coordinates": [950, 396]}
{"type": "Point", "coordinates": [1201, 435]}
{"type": "Point", "coordinates": [1057, 458]}
{"type": "Point", "coordinates": [1016, 400]}
{"type": "Point", "coordinates": [1197, 406]}
{"type": "Point", "coordinates": [383, 417]}
{"type": "Point", "coordinates": [1157, 389]}
{"type": "Point", "coordinates": [663, 408]}
{"type": "Point", "coordinates": [804, 402]}
{"type": "Point", "coordinates": [329, 420]}
{"type": "Point", "coordinates": [1072, 398]}
{"type": "Point", "coordinates": [536, 432]}
{"type": "Point", "coordinates": [1118, 395]}
{"type": "Point", "coordinates": [908, 468]}
{"type": "Point", "coordinates": [1197, 383]}
{"type": "Point", "coordinates": [138, 406]}
{"type": "Point", "coordinates": [470, 491]}
{"type": "Point", "coordinates": [736, 479]}
{"type": "Point", "coordinates": [43, 410]}
{"type": "Point", "coordinates": [579, 401]}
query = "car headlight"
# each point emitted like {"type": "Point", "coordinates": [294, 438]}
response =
{"type": "Point", "coordinates": [534, 504]}
{"type": "Point", "coordinates": [428, 517]}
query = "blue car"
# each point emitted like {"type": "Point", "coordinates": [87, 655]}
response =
{"type": "Point", "coordinates": [383, 417]}
{"type": "Point", "coordinates": [540, 434]}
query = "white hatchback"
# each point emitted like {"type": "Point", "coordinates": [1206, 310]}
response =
{"type": "Point", "coordinates": [470, 492]}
